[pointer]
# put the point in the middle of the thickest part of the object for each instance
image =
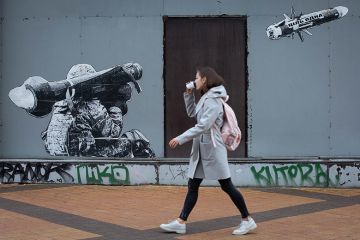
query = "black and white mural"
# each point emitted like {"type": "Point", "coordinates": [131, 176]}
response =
{"type": "Point", "coordinates": [87, 111]}
{"type": "Point", "coordinates": [299, 24]}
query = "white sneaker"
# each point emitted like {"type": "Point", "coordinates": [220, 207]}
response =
{"type": "Point", "coordinates": [174, 226]}
{"type": "Point", "coordinates": [245, 227]}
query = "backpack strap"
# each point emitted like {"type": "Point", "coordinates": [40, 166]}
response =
{"type": "Point", "coordinates": [212, 129]}
{"type": "Point", "coordinates": [212, 137]}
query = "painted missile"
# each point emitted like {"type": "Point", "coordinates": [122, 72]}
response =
{"type": "Point", "coordinates": [300, 23]}
{"type": "Point", "coordinates": [37, 95]}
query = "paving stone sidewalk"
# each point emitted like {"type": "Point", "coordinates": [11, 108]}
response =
{"type": "Point", "coordinates": [91, 212]}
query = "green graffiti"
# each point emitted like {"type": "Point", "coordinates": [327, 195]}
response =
{"type": "Point", "coordinates": [305, 177]}
{"type": "Point", "coordinates": [301, 174]}
{"type": "Point", "coordinates": [115, 174]}
{"type": "Point", "coordinates": [259, 177]}
{"type": "Point", "coordinates": [282, 170]}
{"type": "Point", "coordinates": [322, 177]}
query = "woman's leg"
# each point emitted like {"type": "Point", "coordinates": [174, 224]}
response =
{"type": "Point", "coordinates": [191, 197]}
{"type": "Point", "coordinates": [235, 195]}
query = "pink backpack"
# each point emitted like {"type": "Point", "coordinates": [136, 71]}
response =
{"type": "Point", "coordinates": [230, 131]}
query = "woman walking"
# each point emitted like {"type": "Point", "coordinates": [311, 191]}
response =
{"type": "Point", "coordinates": [208, 159]}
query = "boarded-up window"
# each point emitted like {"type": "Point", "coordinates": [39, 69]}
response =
{"type": "Point", "coordinates": [218, 42]}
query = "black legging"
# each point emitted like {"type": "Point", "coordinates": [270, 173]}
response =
{"type": "Point", "coordinates": [226, 186]}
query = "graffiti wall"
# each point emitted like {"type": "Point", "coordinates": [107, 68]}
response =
{"type": "Point", "coordinates": [298, 174]}
{"type": "Point", "coordinates": [83, 173]}
{"type": "Point", "coordinates": [35, 173]}
{"type": "Point", "coordinates": [250, 174]}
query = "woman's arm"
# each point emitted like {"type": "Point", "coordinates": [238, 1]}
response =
{"type": "Point", "coordinates": [206, 121]}
{"type": "Point", "coordinates": [190, 104]}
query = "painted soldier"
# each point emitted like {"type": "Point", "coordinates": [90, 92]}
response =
{"type": "Point", "coordinates": [92, 124]}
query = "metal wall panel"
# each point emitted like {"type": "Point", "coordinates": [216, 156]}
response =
{"type": "Point", "coordinates": [120, 40]}
{"type": "Point", "coordinates": [76, 8]}
{"type": "Point", "coordinates": [33, 47]}
{"type": "Point", "coordinates": [242, 7]}
{"type": "Point", "coordinates": [288, 94]}
{"type": "Point", "coordinates": [344, 98]}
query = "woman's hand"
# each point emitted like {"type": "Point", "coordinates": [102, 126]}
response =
{"type": "Point", "coordinates": [189, 90]}
{"type": "Point", "coordinates": [173, 143]}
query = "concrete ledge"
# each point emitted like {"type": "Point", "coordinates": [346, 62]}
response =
{"type": "Point", "coordinates": [246, 172]}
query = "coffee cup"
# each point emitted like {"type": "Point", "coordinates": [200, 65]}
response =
{"type": "Point", "coordinates": [191, 85]}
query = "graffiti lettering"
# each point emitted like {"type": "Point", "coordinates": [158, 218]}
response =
{"type": "Point", "coordinates": [179, 171]}
{"type": "Point", "coordinates": [115, 174]}
{"type": "Point", "coordinates": [35, 173]}
{"type": "Point", "coordinates": [301, 174]}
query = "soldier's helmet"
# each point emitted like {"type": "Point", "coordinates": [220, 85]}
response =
{"type": "Point", "coordinates": [80, 70]}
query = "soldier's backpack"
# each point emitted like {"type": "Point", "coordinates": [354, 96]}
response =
{"type": "Point", "coordinates": [140, 144]}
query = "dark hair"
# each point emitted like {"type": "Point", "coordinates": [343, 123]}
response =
{"type": "Point", "coordinates": [212, 78]}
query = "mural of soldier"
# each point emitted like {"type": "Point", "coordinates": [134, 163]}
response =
{"type": "Point", "coordinates": [87, 111]}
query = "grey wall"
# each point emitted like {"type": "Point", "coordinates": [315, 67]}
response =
{"type": "Point", "coordinates": [46, 38]}
{"type": "Point", "coordinates": [302, 97]}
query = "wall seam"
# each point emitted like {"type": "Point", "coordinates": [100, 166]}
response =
{"type": "Point", "coordinates": [329, 87]}
{"type": "Point", "coordinates": [81, 37]}
{"type": "Point", "coordinates": [246, 130]}
{"type": "Point", "coordinates": [330, 92]}
{"type": "Point", "coordinates": [1, 68]}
